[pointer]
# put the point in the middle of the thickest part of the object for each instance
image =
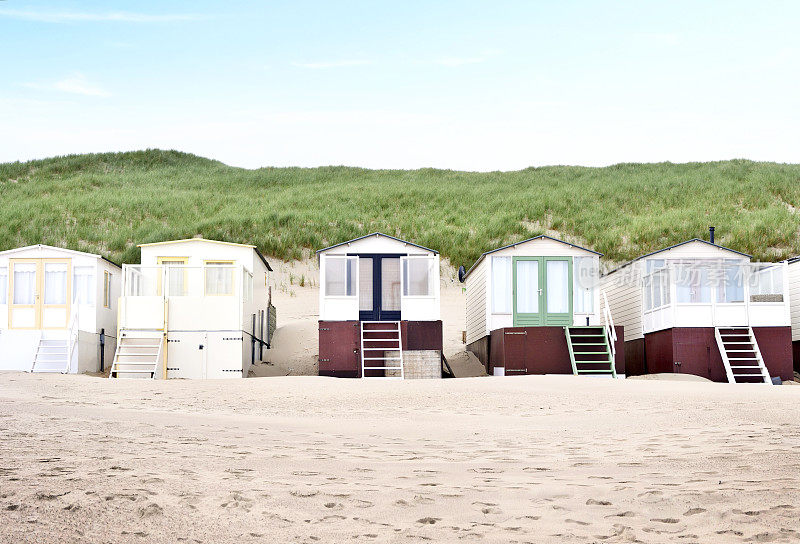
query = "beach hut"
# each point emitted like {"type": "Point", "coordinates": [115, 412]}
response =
{"type": "Point", "coordinates": [379, 310]}
{"type": "Point", "coordinates": [194, 308]}
{"type": "Point", "coordinates": [58, 310]}
{"type": "Point", "coordinates": [793, 290]}
{"type": "Point", "coordinates": [534, 307]}
{"type": "Point", "coordinates": [704, 309]}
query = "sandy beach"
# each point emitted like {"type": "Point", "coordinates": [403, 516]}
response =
{"type": "Point", "coordinates": [309, 459]}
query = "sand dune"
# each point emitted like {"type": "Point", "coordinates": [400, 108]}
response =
{"type": "Point", "coordinates": [308, 459]}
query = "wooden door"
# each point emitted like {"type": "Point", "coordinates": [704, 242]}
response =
{"type": "Point", "coordinates": [40, 293]}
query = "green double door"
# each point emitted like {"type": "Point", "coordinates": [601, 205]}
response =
{"type": "Point", "coordinates": [542, 291]}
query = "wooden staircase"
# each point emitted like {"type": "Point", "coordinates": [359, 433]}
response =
{"type": "Point", "coordinates": [741, 355]}
{"type": "Point", "coordinates": [137, 357]}
{"type": "Point", "coordinates": [51, 356]}
{"type": "Point", "coordinates": [589, 351]}
{"type": "Point", "coordinates": [381, 349]}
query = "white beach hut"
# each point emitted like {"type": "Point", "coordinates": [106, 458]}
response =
{"type": "Point", "coordinates": [534, 307]}
{"type": "Point", "coordinates": [194, 308]}
{"type": "Point", "coordinates": [58, 310]}
{"type": "Point", "coordinates": [704, 309]}
{"type": "Point", "coordinates": [379, 309]}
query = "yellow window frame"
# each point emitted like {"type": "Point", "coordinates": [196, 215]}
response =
{"type": "Point", "coordinates": [172, 260]}
{"type": "Point", "coordinates": [215, 262]}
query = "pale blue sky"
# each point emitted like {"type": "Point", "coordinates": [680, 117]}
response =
{"type": "Point", "coordinates": [451, 84]}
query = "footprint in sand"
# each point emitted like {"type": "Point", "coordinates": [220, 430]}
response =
{"type": "Point", "coordinates": [428, 521]}
{"type": "Point", "coordinates": [150, 510]}
{"type": "Point", "coordinates": [238, 501]}
{"type": "Point", "coordinates": [303, 494]}
{"type": "Point", "coordinates": [591, 502]}
{"type": "Point", "coordinates": [694, 511]}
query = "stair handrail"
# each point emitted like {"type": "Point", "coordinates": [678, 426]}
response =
{"type": "Point", "coordinates": [36, 353]}
{"type": "Point", "coordinates": [72, 335]}
{"type": "Point", "coordinates": [158, 359]}
{"type": "Point", "coordinates": [611, 332]}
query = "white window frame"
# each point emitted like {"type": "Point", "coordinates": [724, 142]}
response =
{"type": "Point", "coordinates": [405, 279]}
{"type": "Point", "coordinates": [354, 269]}
{"type": "Point", "coordinates": [594, 265]}
{"type": "Point", "coordinates": [508, 281]}
{"type": "Point", "coordinates": [4, 285]}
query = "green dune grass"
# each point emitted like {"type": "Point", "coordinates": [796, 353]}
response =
{"type": "Point", "coordinates": [108, 203]}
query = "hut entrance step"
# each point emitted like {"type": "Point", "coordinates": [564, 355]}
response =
{"type": "Point", "coordinates": [137, 357]}
{"type": "Point", "coordinates": [381, 349]}
{"type": "Point", "coordinates": [590, 351]}
{"type": "Point", "coordinates": [51, 356]}
{"type": "Point", "coordinates": [741, 355]}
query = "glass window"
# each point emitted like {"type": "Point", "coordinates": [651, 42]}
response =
{"type": "Point", "coordinates": [247, 286]}
{"type": "Point", "coordinates": [390, 284]}
{"type": "Point", "coordinates": [176, 276]}
{"type": "Point", "coordinates": [83, 285]}
{"type": "Point", "coordinates": [4, 285]}
{"type": "Point", "coordinates": [24, 283]}
{"type": "Point", "coordinates": [648, 293]}
{"type": "Point", "coordinates": [585, 278]}
{"type": "Point", "coordinates": [340, 279]}
{"type": "Point", "coordinates": [418, 277]}
{"type": "Point", "coordinates": [218, 280]}
{"type": "Point", "coordinates": [693, 284]}
{"type": "Point", "coordinates": [730, 287]}
{"type": "Point", "coordinates": [767, 284]}
{"type": "Point", "coordinates": [527, 287]}
{"type": "Point", "coordinates": [557, 287]}
{"type": "Point", "coordinates": [501, 285]}
{"type": "Point", "coordinates": [365, 295]}
{"type": "Point", "coordinates": [55, 283]}
{"type": "Point", "coordinates": [106, 289]}
{"type": "Point", "coordinates": [654, 264]}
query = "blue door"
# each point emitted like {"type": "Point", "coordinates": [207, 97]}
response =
{"type": "Point", "coordinates": [379, 287]}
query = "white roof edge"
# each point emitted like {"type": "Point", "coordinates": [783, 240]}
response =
{"type": "Point", "coordinates": [45, 246]}
{"type": "Point", "coordinates": [195, 240]}
{"type": "Point", "coordinates": [64, 249]}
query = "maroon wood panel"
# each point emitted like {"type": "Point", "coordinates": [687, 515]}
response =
{"type": "Point", "coordinates": [496, 354]}
{"type": "Point", "coordinates": [658, 352]}
{"type": "Point", "coordinates": [481, 350]}
{"type": "Point", "coordinates": [775, 344]}
{"type": "Point", "coordinates": [422, 335]}
{"type": "Point", "coordinates": [340, 344]}
{"type": "Point", "coordinates": [339, 348]}
{"type": "Point", "coordinates": [621, 357]}
{"type": "Point", "coordinates": [796, 355]}
{"type": "Point", "coordinates": [694, 350]}
{"type": "Point", "coordinates": [538, 350]}
{"type": "Point", "coordinates": [516, 350]}
{"type": "Point", "coordinates": [634, 357]}
{"type": "Point", "coordinates": [692, 354]}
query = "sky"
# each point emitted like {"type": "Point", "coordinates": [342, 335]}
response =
{"type": "Point", "coordinates": [494, 85]}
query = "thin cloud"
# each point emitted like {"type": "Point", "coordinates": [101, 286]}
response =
{"type": "Point", "coordinates": [461, 61]}
{"type": "Point", "coordinates": [86, 17]}
{"type": "Point", "coordinates": [76, 84]}
{"type": "Point", "coordinates": [331, 64]}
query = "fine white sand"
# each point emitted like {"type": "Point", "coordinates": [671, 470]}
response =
{"type": "Point", "coordinates": [310, 459]}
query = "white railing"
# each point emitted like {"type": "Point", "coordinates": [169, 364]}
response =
{"type": "Point", "coordinates": [72, 335]}
{"type": "Point", "coordinates": [611, 332]}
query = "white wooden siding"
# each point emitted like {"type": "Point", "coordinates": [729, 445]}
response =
{"type": "Point", "coordinates": [477, 302]}
{"type": "Point", "coordinates": [624, 294]}
{"type": "Point", "coordinates": [794, 298]}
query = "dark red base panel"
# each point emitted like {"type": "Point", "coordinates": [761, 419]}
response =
{"type": "Point", "coordinates": [693, 350]}
{"type": "Point", "coordinates": [533, 350]}
{"type": "Point", "coordinates": [340, 344]}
